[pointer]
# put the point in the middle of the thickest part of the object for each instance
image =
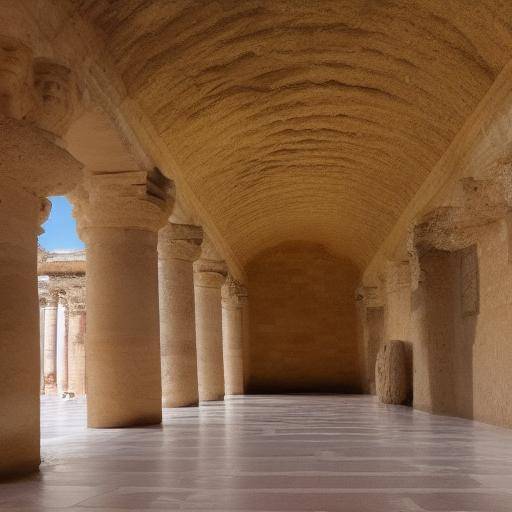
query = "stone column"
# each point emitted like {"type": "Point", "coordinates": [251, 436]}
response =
{"type": "Point", "coordinates": [246, 343]}
{"type": "Point", "coordinates": [234, 298]}
{"type": "Point", "coordinates": [209, 275]}
{"type": "Point", "coordinates": [50, 343]}
{"type": "Point", "coordinates": [179, 245]}
{"type": "Point", "coordinates": [76, 340]}
{"type": "Point", "coordinates": [371, 316]}
{"type": "Point", "coordinates": [32, 167]}
{"type": "Point", "coordinates": [62, 343]}
{"type": "Point", "coordinates": [119, 215]}
{"type": "Point", "coordinates": [42, 304]}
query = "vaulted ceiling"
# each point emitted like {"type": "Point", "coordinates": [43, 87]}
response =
{"type": "Point", "coordinates": [312, 120]}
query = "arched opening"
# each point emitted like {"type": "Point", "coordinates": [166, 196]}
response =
{"type": "Point", "coordinates": [61, 289]}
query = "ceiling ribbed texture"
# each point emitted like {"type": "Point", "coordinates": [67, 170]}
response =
{"type": "Point", "coordinates": [306, 120]}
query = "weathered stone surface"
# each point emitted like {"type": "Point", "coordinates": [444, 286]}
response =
{"type": "Point", "coordinates": [209, 275]}
{"type": "Point", "coordinates": [57, 97]}
{"type": "Point", "coordinates": [291, 118]}
{"type": "Point", "coordinates": [179, 246]}
{"type": "Point", "coordinates": [391, 373]}
{"type": "Point", "coordinates": [234, 298]}
{"type": "Point", "coordinates": [15, 77]}
{"type": "Point", "coordinates": [119, 215]}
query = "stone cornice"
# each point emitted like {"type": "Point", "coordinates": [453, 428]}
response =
{"type": "Point", "coordinates": [70, 263]}
{"type": "Point", "coordinates": [451, 228]}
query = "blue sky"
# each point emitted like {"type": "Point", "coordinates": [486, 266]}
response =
{"type": "Point", "coordinates": [60, 228]}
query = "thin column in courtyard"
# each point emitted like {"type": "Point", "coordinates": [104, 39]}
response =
{"type": "Point", "coordinates": [119, 215]}
{"type": "Point", "coordinates": [234, 298]}
{"type": "Point", "coordinates": [62, 346]}
{"type": "Point", "coordinates": [50, 343]}
{"type": "Point", "coordinates": [179, 246]}
{"type": "Point", "coordinates": [42, 304]}
{"type": "Point", "coordinates": [209, 275]}
{"type": "Point", "coordinates": [76, 340]}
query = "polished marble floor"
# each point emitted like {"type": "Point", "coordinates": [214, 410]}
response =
{"type": "Point", "coordinates": [266, 454]}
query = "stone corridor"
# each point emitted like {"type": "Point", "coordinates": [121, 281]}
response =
{"type": "Point", "coordinates": [269, 453]}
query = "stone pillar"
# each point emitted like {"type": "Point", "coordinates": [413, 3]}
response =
{"type": "Point", "coordinates": [50, 343]}
{"type": "Point", "coordinates": [62, 347]}
{"type": "Point", "coordinates": [179, 245]}
{"type": "Point", "coordinates": [209, 275]}
{"type": "Point", "coordinates": [32, 167]}
{"type": "Point", "coordinates": [246, 343]}
{"type": "Point", "coordinates": [371, 316]}
{"type": "Point", "coordinates": [119, 215]}
{"type": "Point", "coordinates": [42, 304]}
{"type": "Point", "coordinates": [76, 341]}
{"type": "Point", "coordinates": [443, 249]}
{"type": "Point", "coordinates": [234, 298]}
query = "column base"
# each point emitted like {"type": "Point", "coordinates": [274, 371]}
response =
{"type": "Point", "coordinates": [211, 398]}
{"type": "Point", "coordinates": [175, 404]}
{"type": "Point", "coordinates": [126, 423]}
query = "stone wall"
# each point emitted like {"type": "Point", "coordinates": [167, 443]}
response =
{"type": "Point", "coordinates": [302, 321]}
{"type": "Point", "coordinates": [454, 308]}
{"type": "Point", "coordinates": [490, 336]}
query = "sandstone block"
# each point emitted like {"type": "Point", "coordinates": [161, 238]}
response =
{"type": "Point", "coordinates": [391, 373]}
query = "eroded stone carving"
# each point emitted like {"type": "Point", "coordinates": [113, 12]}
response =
{"type": "Point", "coordinates": [456, 227]}
{"type": "Point", "coordinates": [234, 293]}
{"type": "Point", "coordinates": [451, 228]}
{"type": "Point", "coordinates": [29, 158]}
{"type": "Point", "coordinates": [57, 97]}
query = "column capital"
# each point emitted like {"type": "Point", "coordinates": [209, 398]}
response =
{"type": "Point", "coordinates": [30, 159]}
{"type": "Point", "coordinates": [51, 297]}
{"type": "Point", "coordinates": [180, 241]}
{"type": "Point", "coordinates": [129, 199]}
{"type": "Point", "coordinates": [75, 294]}
{"type": "Point", "coordinates": [29, 155]}
{"type": "Point", "coordinates": [234, 293]}
{"type": "Point", "coordinates": [209, 273]}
